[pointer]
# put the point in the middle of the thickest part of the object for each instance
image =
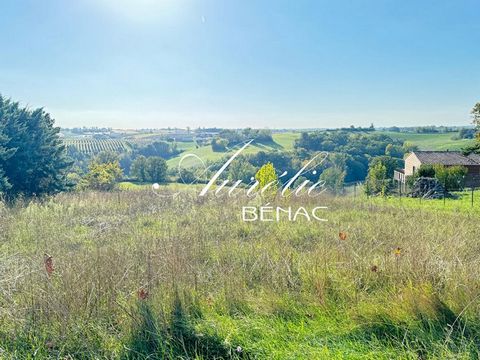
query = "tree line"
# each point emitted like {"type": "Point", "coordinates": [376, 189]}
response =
{"type": "Point", "coordinates": [34, 161]}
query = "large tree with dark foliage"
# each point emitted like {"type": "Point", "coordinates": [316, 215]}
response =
{"type": "Point", "coordinates": [33, 160]}
{"type": "Point", "coordinates": [5, 154]}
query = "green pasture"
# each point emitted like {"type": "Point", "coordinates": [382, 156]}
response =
{"type": "Point", "coordinates": [434, 141]}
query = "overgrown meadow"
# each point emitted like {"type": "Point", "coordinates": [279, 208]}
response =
{"type": "Point", "coordinates": [131, 275]}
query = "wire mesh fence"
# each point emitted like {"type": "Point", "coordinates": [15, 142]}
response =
{"type": "Point", "coordinates": [462, 195]}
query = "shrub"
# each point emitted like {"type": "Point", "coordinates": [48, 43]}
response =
{"type": "Point", "coordinates": [377, 180]}
{"type": "Point", "coordinates": [451, 177]}
{"type": "Point", "coordinates": [102, 177]}
{"type": "Point", "coordinates": [426, 170]}
{"type": "Point", "coordinates": [267, 179]}
{"type": "Point", "coordinates": [219, 145]}
{"type": "Point", "coordinates": [334, 178]}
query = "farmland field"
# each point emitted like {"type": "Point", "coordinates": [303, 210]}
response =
{"type": "Point", "coordinates": [94, 146]}
{"type": "Point", "coordinates": [281, 141]}
{"type": "Point", "coordinates": [138, 276]}
{"type": "Point", "coordinates": [434, 141]}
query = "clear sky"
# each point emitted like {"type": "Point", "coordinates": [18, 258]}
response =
{"type": "Point", "coordinates": [259, 63]}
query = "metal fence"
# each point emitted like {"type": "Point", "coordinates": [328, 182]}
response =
{"type": "Point", "coordinates": [399, 190]}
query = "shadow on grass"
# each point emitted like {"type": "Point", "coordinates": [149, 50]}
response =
{"type": "Point", "coordinates": [268, 144]}
{"type": "Point", "coordinates": [424, 333]}
{"type": "Point", "coordinates": [174, 338]}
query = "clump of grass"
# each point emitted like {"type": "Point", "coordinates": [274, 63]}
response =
{"type": "Point", "coordinates": [161, 336]}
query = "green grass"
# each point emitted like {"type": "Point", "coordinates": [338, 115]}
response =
{"type": "Point", "coordinates": [281, 141]}
{"type": "Point", "coordinates": [286, 139]}
{"type": "Point", "coordinates": [212, 283]}
{"type": "Point", "coordinates": [131, 186]}
{"type": "Point", "coordinates": [462, 204]}
{"type": "Point", "coordinates": [434, 141]}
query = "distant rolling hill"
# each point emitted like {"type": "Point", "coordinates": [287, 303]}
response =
{"type": "Point", "coordinates": [281, 141]}
{"type": "Point", "coordinates": [432, 141]}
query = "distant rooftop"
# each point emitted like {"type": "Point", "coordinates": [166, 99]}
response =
{"type": "Point", "coordinates": [475, 157]}
{"type": "Point", "coordinates": [449, 158]}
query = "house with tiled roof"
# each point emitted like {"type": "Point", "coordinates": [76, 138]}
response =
{"type": "Point", "coordinates": [415, 159]}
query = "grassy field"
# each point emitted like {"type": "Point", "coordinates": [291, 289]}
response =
{"type": "Point", "coordinates": [175, 187]}
{"type": "Point", "coordinates": [281, 141]}
{"type": "Point", "coordinates": [432, 141]}
{"type": "Point", "coordinates": [462, 204]}
{"type": "Point", "coordinates": [136, 276]}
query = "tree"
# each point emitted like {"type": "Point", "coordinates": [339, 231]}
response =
{"type": "Point", "coordinates": [394, 151]}
{"type": "Point", "coordinates": [334, 178]}
{"type": "Point", "coordinates": [105, 157]}
{"type": "Point", "coordinates": [152, 169]}
{"type": "Point", "coordinates": [139, 168]}
{"type": "Point", "coordinates": [409, 147]}
{"type": "Point", "coordinates": [156, 169]}
{"type": "Point", "coordinates": [158, 148]}
{"type": "Point", "coordinates": [476, 115]}
{"type": "Point", "coordinates": [5, 154]}
{"type": "Point", "coordinates": [377, 180]}
{"type": "Point", "coordinates": [465, 133]}
{"type": "Point", "coordinates": [33, 159]}
{"type": "Point", "coordinates": [390, 163]}
{"type": "Point", "coordinates": [186, 176]}
{"type": "Point", "coordinates": [103, 177]}
{"type": "Point", "coordinates": [219, 144]}
{"type": "Point", "coordinates": [125, 161]}
{"type": "Point", "coordinates": [241, 169]}
{"type": "Point", "coordinates": [475, 112]}
{"type": "Point", "coordinates": [267, 180]}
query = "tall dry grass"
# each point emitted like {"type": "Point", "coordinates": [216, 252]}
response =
{"type": "Point", "coordinates": [135, 274]}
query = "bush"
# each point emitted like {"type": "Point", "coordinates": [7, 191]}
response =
{"type": "Point", "coordinates": [451, 177]}
{"type": "Point", "coordinates": [426, 170]}
{"type": "Point", "coordinates": [267, 179]}
{"type": "Point", "coordinates": [102, 177]}
{"type": "Point", "coordinates": [219, 145]}
{"type": "Point", "coordinates": [377, 180]}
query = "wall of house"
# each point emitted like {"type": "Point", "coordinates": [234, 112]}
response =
{"type": "Point", "coordinates": [473, 176]}
{"type": "Point", "coordinates": [412, 164]}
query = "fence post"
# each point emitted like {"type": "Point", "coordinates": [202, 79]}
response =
{"type": "Point", "coordinates": [444, 191]}
{"type": "Point", "coordinates": [473, 189]}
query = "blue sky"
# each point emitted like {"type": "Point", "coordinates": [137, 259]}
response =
{"type": "Point", "coordinates": [258, 63]}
